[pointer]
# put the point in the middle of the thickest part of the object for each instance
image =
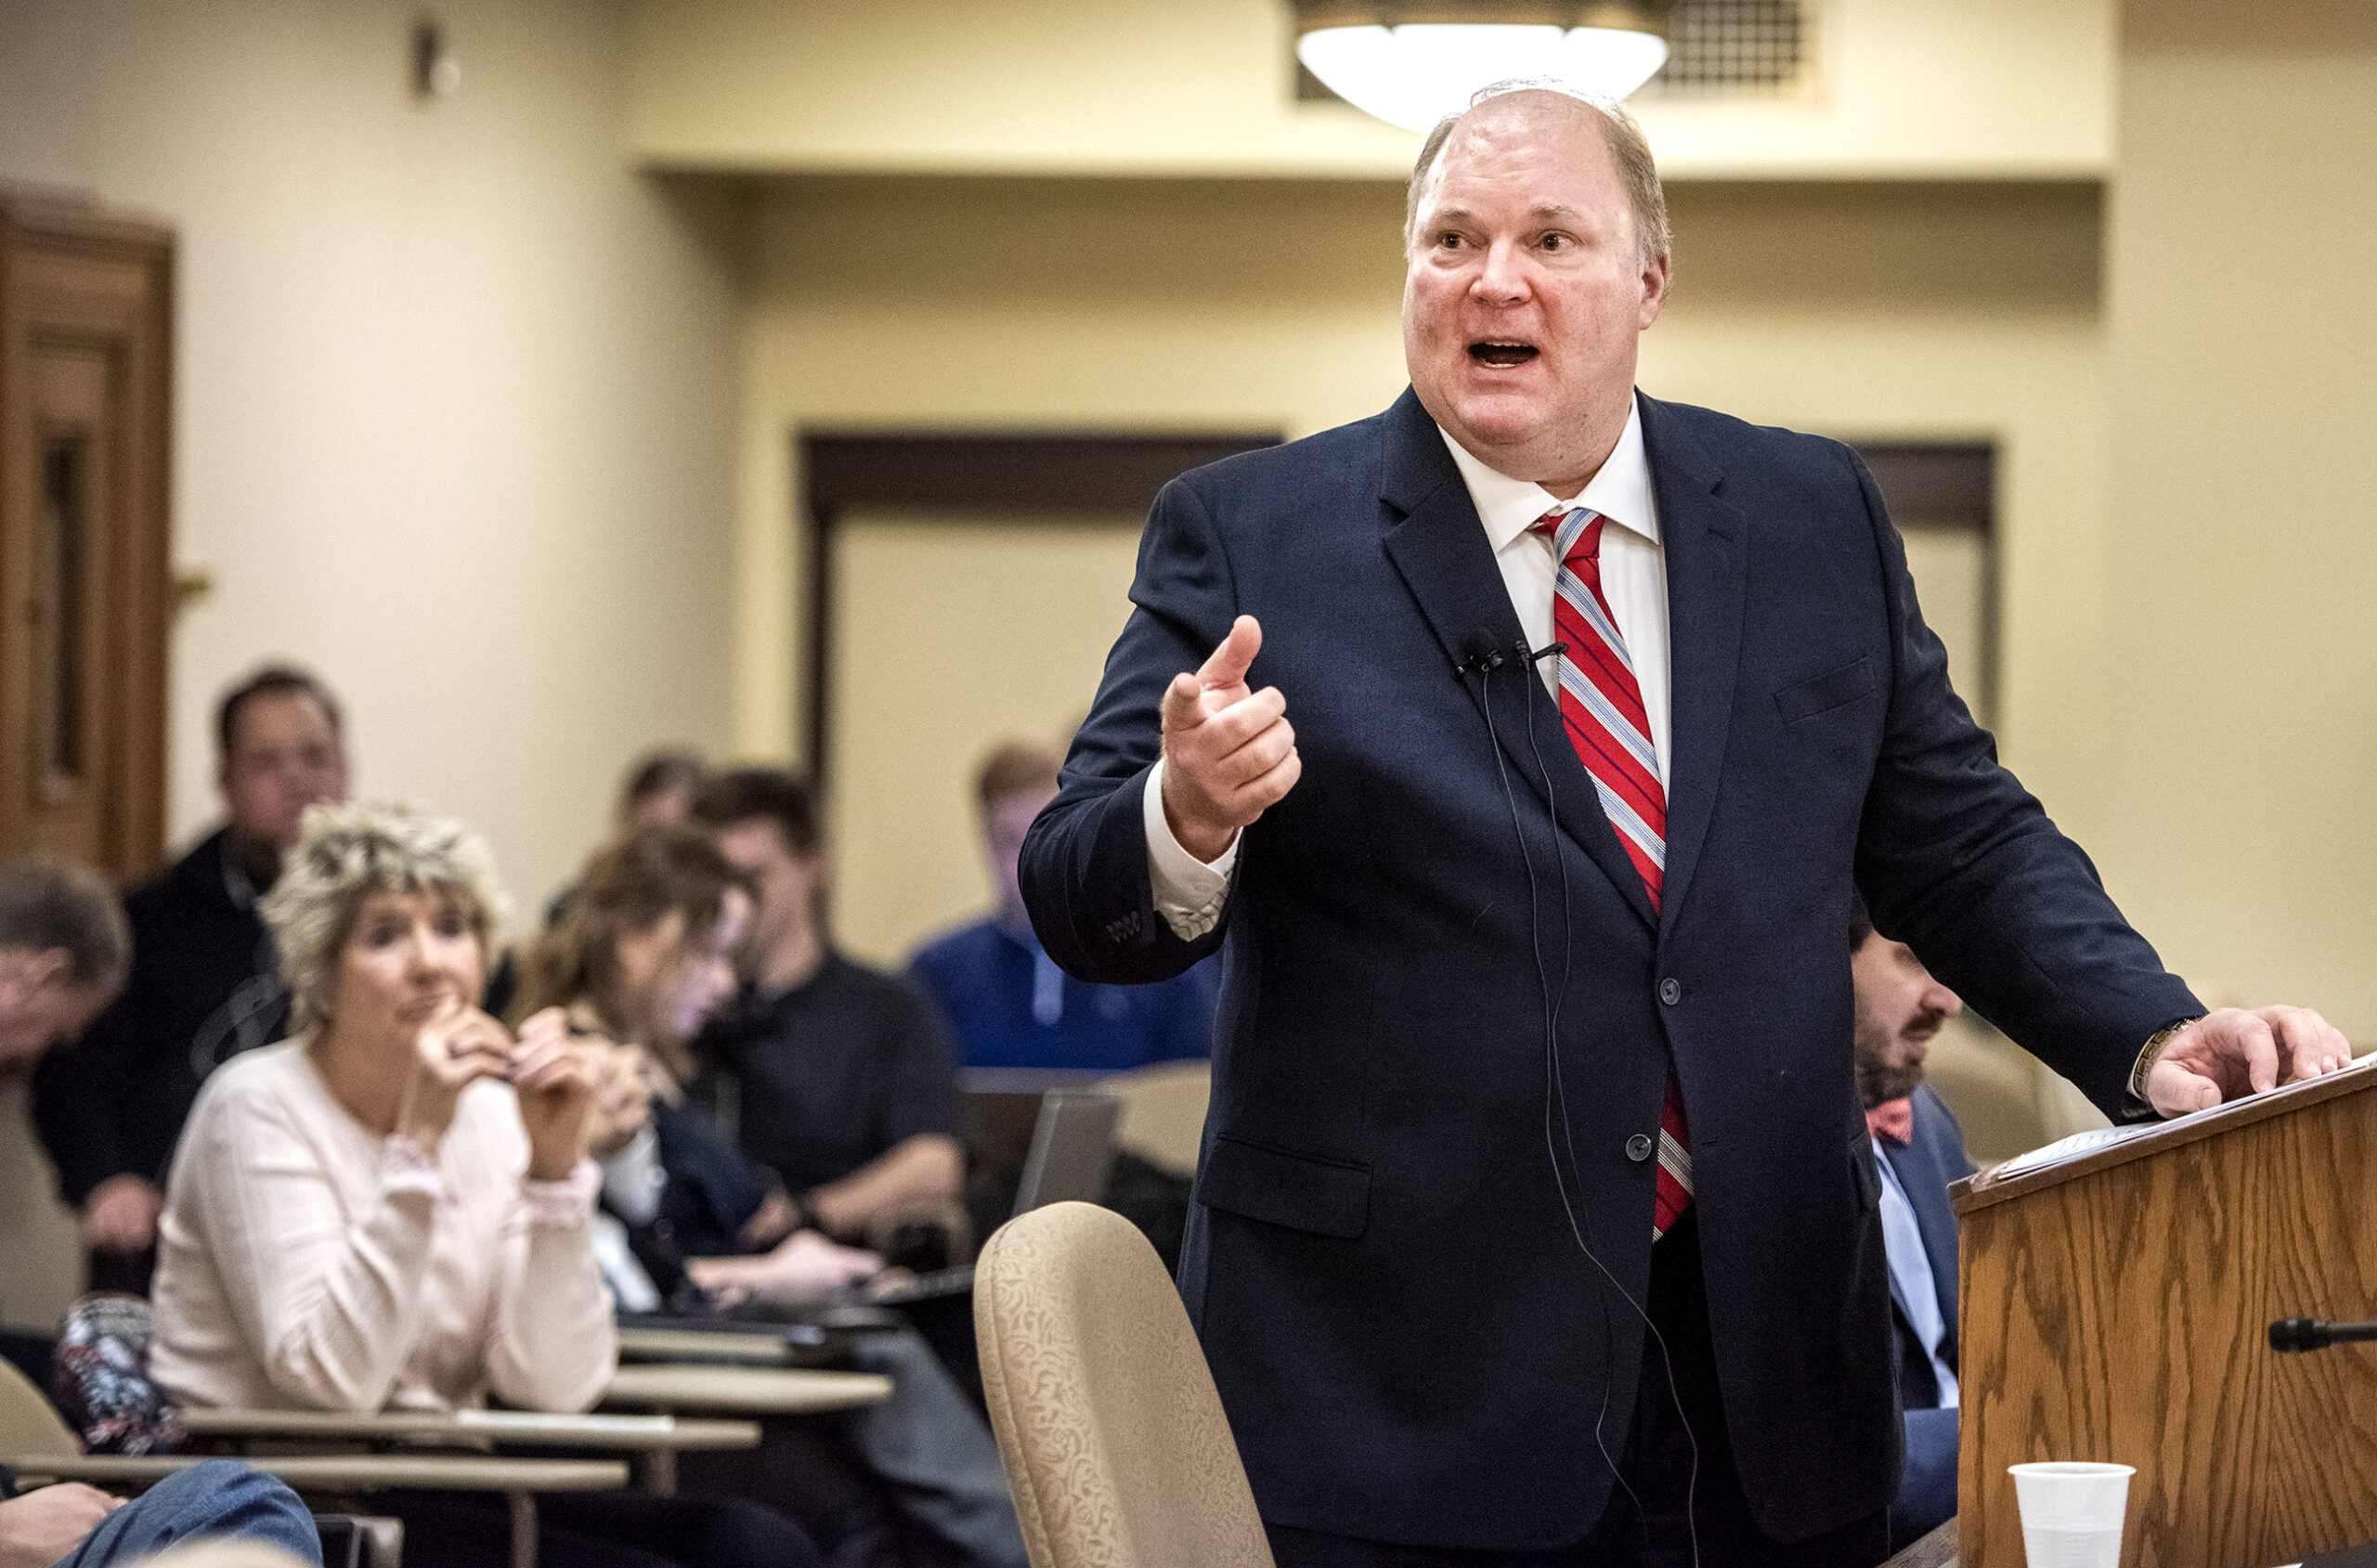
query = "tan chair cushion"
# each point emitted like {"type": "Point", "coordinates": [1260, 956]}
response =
{"type": "Point", "coordinates": [1115, 1442]}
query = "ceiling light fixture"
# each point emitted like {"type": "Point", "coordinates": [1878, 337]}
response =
{"type": "Point", "coordinates": [1410, 65]}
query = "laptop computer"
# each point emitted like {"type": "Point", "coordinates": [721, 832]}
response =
{"type": "Point", "coordinates": [1071, 1155]}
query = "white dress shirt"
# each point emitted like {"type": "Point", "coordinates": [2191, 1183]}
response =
{"type": "Point", "coordinates": [1189, 892]}
{"type": "Point", "coordinates": [1911, 1271]}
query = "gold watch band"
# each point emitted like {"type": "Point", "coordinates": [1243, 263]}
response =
{"type": "Point", "coordinates": [2152, 1052]}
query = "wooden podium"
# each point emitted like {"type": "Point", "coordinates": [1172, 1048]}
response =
{"type": "Point", "coordinates": [2116, 1306]}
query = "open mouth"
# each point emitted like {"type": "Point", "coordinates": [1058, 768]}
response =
{"type": "Point", "coordinates": [1501, 353]}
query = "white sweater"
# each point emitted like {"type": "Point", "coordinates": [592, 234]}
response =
{"type": "Point", "coordinates": [307, 1262]}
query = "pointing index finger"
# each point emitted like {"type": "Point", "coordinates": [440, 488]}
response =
{"type": "Point", "coordinates": [1228, 663]}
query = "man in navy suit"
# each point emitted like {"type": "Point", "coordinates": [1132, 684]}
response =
{"type": "Point", "coordinates": [1918, 1149]}
{"type": "Point", "coordinates": [1483, 1022]}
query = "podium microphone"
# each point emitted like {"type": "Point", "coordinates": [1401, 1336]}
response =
{"type": "Point", "coordinates": [2296, 1334]}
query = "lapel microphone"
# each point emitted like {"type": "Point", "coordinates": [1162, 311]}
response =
{"type": "Point", "coordinates": [1481, 656]}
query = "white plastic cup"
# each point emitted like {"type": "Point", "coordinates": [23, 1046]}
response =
{"type": "Point", "coordinates": [2072, 1513]}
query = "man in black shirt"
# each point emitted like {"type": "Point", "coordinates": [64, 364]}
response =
{"type": "Point", "coordinates": [838, 1078]}
{"type": "Point", "coordinates": [205, 982]}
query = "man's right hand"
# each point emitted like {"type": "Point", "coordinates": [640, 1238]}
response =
{"type": "Point", "coordinates": [44, 1525]}
{"type": "Point", "coordinates": [121, 1214]}
{"type": "Point", "coordinates": [1228, 753]}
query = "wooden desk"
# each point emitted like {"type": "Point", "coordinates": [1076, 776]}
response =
{"type": "Point", "coordinates": [654, 1441]}
{"type": "Point", "coordinates": [518, 1480]}
{"type": "Point", "coordinates": [685, 1345]}
{"type": "Point", "coordinates": [495, 1427]}
{"type": "Point", "coordinates": [741, 1391]}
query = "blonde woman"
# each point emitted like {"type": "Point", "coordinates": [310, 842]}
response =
{"type": "Point", "coordinates": [392, 1209]}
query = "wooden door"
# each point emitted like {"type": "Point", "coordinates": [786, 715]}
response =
{"type": "Point", "coordinates": [85, 350]}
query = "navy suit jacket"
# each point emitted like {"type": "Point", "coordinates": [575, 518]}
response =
{"type": "Point", "coordinates": [1410, 1341]}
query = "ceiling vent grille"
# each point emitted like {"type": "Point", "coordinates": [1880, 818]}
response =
{"type": "Point", "coordinates": [1735, 49]}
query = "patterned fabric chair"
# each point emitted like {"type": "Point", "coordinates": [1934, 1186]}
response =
{"type": "Point", "coordinates": [1113, 1439]}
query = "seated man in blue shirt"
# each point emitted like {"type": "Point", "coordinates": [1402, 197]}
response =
{"type": "Point", "coordinates": [1008, 1002]}
{"type": "Point", "coordinates": [1918, 1149]}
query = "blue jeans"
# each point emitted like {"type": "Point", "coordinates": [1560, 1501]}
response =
{"type": "Point", "coordinates": [219, 1497]}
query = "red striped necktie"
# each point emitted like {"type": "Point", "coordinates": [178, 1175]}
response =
{"type": "Point", "coordinates": [1600, 707]}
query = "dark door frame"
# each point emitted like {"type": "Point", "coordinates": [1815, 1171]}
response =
{"type": "Point", "coordinates": [1063, 475]}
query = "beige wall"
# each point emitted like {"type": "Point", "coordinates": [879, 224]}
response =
{"type": "Point", "coordinates": [1905, 88]}
{"type": "Point", "coordinates": [954, 631]}
{"type": "Point", "coordinates": [1876, 311]}
{"type": "Point", "coordinates": [453, 420]}
{"type": "Point", "coordinates": [454, 397]}
{"type": "Point", "coordinates": [1100, 306]}
{"type": "Point", "coordinates": [2243, 374]}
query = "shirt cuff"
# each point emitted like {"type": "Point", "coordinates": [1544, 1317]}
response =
{"type": "Point", "coordinates": [565, 1203]}
{"type": "Point", "coordinates": [632, 1179]}
{"type": "Point", "coordinates": [1189, 892]}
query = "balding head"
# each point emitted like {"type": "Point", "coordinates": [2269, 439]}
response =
{"type": "Point", "coordinates": [1495, 106]}
{"type": "Point", "coordinates": [1531, 271]}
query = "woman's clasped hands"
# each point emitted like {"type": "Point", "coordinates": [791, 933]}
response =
{"type": "Point", "coordinates": [553, 1074]}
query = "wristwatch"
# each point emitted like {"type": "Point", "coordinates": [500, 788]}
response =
{"type": "Point", "coordinates": [2151, 1053]}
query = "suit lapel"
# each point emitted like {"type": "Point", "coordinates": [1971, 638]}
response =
{"type": "Point", "coordinates": [1701, 536]}
{"type": "Point", "coordinates": [1438, 546]}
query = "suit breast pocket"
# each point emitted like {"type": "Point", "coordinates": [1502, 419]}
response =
{"type": "Point", "coordinates": [1834, 688]}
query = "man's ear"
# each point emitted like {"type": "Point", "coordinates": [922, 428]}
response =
{"type": "Point", "coordinates": [1655, 277]}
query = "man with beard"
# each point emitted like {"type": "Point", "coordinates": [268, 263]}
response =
{"type": "Point", "coordinates": [1918, 1149]}
{"type": "Point", "coordinates": [205, 981]}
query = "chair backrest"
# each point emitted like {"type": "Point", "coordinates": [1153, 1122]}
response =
{"type": "Point", "coordinates": [1114, 1438]}
{"type": "Point", "coordinates": [28, 1423]}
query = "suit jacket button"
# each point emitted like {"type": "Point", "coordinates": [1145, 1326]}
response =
{"type": "Point", "coordinates": [1638, 1148]}
{"type": "Point", "coordinates": [1670, 991]}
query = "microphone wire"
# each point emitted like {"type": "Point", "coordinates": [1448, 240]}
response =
{"type": "Point", "coordinates": [1554, 1088]}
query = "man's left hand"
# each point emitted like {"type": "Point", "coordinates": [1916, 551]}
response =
{"type": "Point", "coordinates": [2236, 1052]}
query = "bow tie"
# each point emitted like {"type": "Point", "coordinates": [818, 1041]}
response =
{"type": "Point", "coordinates": [1893, 1120]}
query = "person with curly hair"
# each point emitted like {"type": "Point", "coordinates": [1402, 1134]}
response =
{"type": "Point", "coordinates": [392, 1207]}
